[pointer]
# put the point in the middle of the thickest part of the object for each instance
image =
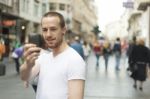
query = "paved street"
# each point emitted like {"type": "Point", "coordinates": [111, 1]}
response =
{"type": "Point", "coordinates": [99, 84]}
{"type": "Point", "coordinates": [112, 84]}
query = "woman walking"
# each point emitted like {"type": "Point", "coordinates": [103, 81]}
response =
{"type": "Point", "coordinates": [139, 57]}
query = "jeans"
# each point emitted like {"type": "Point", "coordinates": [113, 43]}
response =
{"type": "Point", "coordinates": [97, 59]}
{"type": "Point", "coordinates": [117, 57]}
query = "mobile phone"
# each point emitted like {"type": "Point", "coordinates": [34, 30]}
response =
{"type": "Point", "coordinates": [37, 39]}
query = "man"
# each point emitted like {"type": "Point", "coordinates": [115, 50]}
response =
{"type": "Point", "coordinates": [117, 52]}
{"type": "Point", "coordinates": [76, 45]}
{"type": "Point", "coordinates": [61, 72]}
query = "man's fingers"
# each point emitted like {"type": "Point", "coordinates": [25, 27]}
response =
{"type": "Point", "coordinates": [31, 53]}
{"type": "Point", "coordinates": [32, 56]}
{"type": "Point", "coordinates": [27, 46]}
{"type": "Point", "coordinates": [31, 50]}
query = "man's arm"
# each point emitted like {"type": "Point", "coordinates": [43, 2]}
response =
{"type": "Point", "coordinates": [76, 89]}
{"type": "Point", "coordinates": [25, 72]}
{"type": "Point", "coordinates": [29, 68]}
{"type": "Point", "coordinates": [28, 73]}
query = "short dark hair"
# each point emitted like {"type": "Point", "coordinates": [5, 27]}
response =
{"type": "Point", "coordinates": [60, 16]}
{"type": "Point", "coordinates": [117, 39]}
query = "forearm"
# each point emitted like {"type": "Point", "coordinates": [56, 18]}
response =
{"type": "Point", "coordinates": [25, 72]}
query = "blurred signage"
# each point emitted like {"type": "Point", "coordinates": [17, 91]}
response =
{"type": "Point", "coordinates": [8, 23]}
{"type": "Point", "coordinates": [128, 4]}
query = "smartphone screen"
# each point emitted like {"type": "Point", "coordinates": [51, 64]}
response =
{"type": "Point", "coordinates": [36, 39]}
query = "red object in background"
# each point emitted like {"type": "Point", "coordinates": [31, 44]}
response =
{"type": "Point", "coordinates": [8, 23]}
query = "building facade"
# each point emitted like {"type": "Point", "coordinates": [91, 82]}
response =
{"type": "Point", "coordinates": [84, 17]}
{"type": "Point", "coordinates": [30, 13]}
{"type": "Point", "coordinates": [79, 15]}
{"type": "Point", "coordinates": [18, 18]}
{"type": "Point", "coordinates": [8, 22]}
{"type": "Point", "coordinates": [139, 20]}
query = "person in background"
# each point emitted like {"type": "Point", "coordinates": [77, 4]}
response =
{"type": "Point", "coordinates": [61, 72]}
{"type": "Point", "coordinates": [140, 58]}
{"type": "Point", "coordinates": [117, 52]}
{"type": "Point", "coordinates": [86, 50]}
{"type": "Point", "coordinates": [76, 45]}
{"type": "Point", "coordinates": [124, 48]}
{"type": "Point", "coordinates": [16, 55]}
{"type": "Point", "coordinates": [97, 50]}
{"type": "Point", "coordinates": [129, 50]}
{"type": "Point", "coordinates": [106, 53]}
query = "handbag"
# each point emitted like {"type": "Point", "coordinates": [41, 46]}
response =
{"type": "Point", "coordinates": [133, 67]}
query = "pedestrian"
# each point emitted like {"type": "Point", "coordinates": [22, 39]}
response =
{"type": "Point", "coordinates": [124, 48]}
{"type": "Point", "coordinates": [17, 55]}
{"type": "Point", "coordinates": [129, 50]}
{"type": "Point", "coordinates": [76, 45]}
{"type": "Point", "coordinates": [117, 52]}
{"type": "Point", "coordinates": [106, 53]}
{"type": "Point", "coordinates": [61, 72]}
{"type": "Point", "coordinates": [139, 58]}
{"type": "Point", "coordinates": [97, 50]}
{"type": "Point", "coordinates": [86, 50]}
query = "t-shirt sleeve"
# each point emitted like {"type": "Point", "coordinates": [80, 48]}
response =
{"type": "Point", "coordinates": [77, 69]}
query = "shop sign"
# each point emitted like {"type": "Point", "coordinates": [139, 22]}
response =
{"type": "Point", "coordinates": [8, 23]}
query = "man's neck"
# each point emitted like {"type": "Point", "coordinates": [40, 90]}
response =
{"type": "Point", "coordinates": [60, 49]}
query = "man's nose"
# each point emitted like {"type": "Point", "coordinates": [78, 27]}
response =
{"type": "Point", "coordinates": [49, 32]}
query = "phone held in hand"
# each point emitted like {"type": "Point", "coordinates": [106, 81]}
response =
{"type": "Point", "coordinates": [37, 39]}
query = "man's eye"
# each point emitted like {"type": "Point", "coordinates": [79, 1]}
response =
{"type": "Point", "coordinates": [53, 29]}
{"type": "Point", "coordinates": [44, 30]}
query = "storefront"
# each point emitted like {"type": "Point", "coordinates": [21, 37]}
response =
{"type": "Point", "coordinates": [8, 30]}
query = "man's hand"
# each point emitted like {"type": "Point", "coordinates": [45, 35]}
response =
{"type": "Point", "coordinates": [31, 53]}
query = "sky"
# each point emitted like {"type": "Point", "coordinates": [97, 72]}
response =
{"type": "Point", "coordinates": [109, 11]}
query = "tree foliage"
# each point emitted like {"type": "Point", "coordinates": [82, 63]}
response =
{"type": "Point", "coordinates": [96, 30]}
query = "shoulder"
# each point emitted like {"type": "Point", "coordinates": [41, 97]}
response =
{"type": "Point", "coordinates": [73, 55]}
{"type": "Point", "coordinates": [74, 58]}
{"type": "Point", "coordinates": [76, 66]}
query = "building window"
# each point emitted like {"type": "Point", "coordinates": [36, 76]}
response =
{"type": "Point", "coordinates": [36, 9]}
{"type": "Point", "coordinates": [6, 2]}
{"type": "Point", "coordinates": [77, 25]}
{"type": "Point", "coordinates": [25, 6]}
{"type": "Point", "coordinates": [52, 6]}
{"type": "Point", "coordinates": [62, 7]}
{"type": "Point", "coordinates": [43, 8]}
{"type": "Point", "coordinates": [9, 2]}
{"type": "Point", "coordinates": [36, 26]}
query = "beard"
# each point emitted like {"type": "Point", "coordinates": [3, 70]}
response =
{"type": "Point", "coordinates": [55, 44]}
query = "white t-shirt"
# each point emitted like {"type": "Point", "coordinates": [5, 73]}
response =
{"type": "Point", "coordinates": [56, 71]}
